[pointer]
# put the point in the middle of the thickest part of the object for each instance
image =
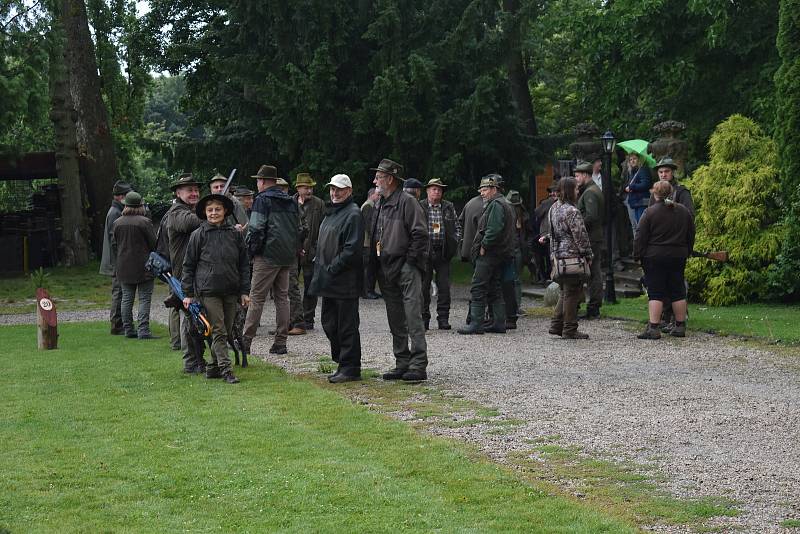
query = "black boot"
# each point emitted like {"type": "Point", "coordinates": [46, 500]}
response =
{"type": "Point", "coordinates": [475, 326]}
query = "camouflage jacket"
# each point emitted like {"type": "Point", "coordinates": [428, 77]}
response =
{"type": "Point", "coordinates": [568, 236]}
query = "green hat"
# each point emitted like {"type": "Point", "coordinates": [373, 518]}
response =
{"type": "Point", "coordinates": [390, 167]}
{"type": "Point", "coordinates": [266, 172]}
{"type": "Point", "coordinates": [666, 161]}
{"type": "Point", "coordinates": [281, 181]}
{"type": "Point", "coordinates": [121, 188]}
{"type": "Point", "coordinates": [435, 181]}
{"type": "Point", "coordinates": [200, 210]}
{"type": "Point", "coordinates": [184, 179]}
{"type": "Point", "coordinates": [132, 199]}
{"type": "Point", "coordinates": [514, 197]}
{"type": "Point", "coordinates": [304, 178]}
{"type": "Point", "coordinates": [553, 186]}
{"type": "Point", "coordinates": [487, 181]}
{"type": "Point", "coordinates": [217, 177]}
{"type": "Point", "coordinates": [583, 166]}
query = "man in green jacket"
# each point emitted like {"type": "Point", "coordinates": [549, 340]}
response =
{"type": "Point", "coordinates": [399, 246]}
{"type": "Point", "coordinates": [273, 241]}
{"type": "Point", "coordinates": [492, 251]}
{"type": "Point", "coordinates": [592, 208]}
{"type": "Point", "coordinates": [312, 210]}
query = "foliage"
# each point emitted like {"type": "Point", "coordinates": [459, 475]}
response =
{"type": "Point", "coordinates": [630, 64]}
{"type": "Point", "coordinates": [336, 86]}
{"type": "Point", "coordinates": [39, 278]}
{"type": "Point", "coordinates": [24, 99]}
{"type": "Point", "coordinates": [114, 438]}
{"type": "Point", "coordinates": [785, 274]}
{"type": "Point", "coordinates": [737, 197]}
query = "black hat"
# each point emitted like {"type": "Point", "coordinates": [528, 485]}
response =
{"type": "Point", "coordinates": [121, 188]}
{"type": "Point", "coordinates": [412, 183]}
{"type": "Point", "coordinates": [184, 179]}
{"type": "Point", "coordinates": [200, 210]}
{"type": "Point", "coordinates": [266, 172]}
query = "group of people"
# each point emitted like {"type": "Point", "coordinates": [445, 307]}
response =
{"type": "Point", "coordinates": [662, 222]}
{"type": "Point", "coordinates": [231, 250]}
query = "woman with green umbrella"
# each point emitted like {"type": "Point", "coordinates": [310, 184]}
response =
{"type": "Point", "coordinates": [636, 176]}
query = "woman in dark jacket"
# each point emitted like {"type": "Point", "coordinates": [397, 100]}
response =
{"type": "Point", "coordinates": [132, 240]}
{"type": "Point", "coordinates": [216, 270]}
{"type": "Point", "coordinates": [636, 189]}
{"type": "Point", "coordinates": [338, 276]}
{"type": "Point", "coordinates": [664, 241]}
{"type": "Point", "coordinates": [568, 239]}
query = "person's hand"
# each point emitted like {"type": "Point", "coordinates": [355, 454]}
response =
{"type": "Point", "coordinates": [627, 189]}
{"type": "Point", "coordinates": [186, 302]}
{"type": "Point", "coordinates": [543, 240]}
{"type": "Point", "coordinates": [245, 300]}
{"type": "Point", "coordinates": [483, 251]}
{"type": "Point", "coordinates": [239, 227]}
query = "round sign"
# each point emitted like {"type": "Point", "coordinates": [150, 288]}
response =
{"type": "Point", "coordinates": [46, 304]}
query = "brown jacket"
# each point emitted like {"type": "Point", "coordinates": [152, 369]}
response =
{"type": "Point", "coordinates": [665, 232]}
{"type": "Point", "coordinates": [311, 215]}
{"type": "Point", "coordinates": [132, 240]}
{"type": "Point", "coordinates": [401, 227]}
{"type": "Point", "coordinates": [182, 222]}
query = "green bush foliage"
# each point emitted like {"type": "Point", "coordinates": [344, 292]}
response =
{"type": "Point", "coordinates": [738, 198]}
{"type": "Point", "coordinates": [785, 273]}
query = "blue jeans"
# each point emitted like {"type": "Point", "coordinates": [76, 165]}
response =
{"type": "Point", "coordinates": [145, 290]}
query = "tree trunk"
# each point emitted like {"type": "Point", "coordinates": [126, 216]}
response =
{"type": "Point", "coordinates": [93, 132]}
{"type": "Point", "coordinates": [517, 77]}
{"type": "Point", "coordinates": [62, 113]}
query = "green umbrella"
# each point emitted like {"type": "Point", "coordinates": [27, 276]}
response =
{"type": "Point", "coordinates": [638, 146]}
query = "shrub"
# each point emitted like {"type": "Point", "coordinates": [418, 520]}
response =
{"type": "Point", "coordinates": [738, 201]}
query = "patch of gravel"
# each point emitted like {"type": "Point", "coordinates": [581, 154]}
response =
{"type": "Point", "coordinates": [715, 417]}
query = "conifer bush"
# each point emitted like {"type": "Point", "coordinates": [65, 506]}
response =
{"type": "Point", "coordinates": [737, 197]}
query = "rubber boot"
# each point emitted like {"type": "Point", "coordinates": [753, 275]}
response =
{"type": "Point", "coordinates": [499, 318]}
{"type": "Point", "coordinates": [475, 326]}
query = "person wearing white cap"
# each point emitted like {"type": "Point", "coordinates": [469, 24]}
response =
{"type": "Point", "coordinates": [338, 274]}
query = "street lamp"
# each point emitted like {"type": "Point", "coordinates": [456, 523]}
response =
{"type": "Point", "coordinates": [608, 142]}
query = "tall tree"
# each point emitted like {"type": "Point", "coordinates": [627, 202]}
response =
{"type": "Point", "coordinates": [63, 115]}
{"type": "Point", "coordinates": [94, 135]}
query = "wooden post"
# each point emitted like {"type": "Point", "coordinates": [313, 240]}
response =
{"type": "Point", "coordinates": [47, 320]}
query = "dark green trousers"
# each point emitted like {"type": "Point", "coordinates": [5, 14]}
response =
{"type": "Point", "coordinates": [486, 288]}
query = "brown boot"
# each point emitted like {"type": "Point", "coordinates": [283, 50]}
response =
{"type": "Point", "coordinates": [577, 334]}
{"type": "Point", "coordinates": [651, 332]}
{"type": "Point", "coordinates": [679, 330]}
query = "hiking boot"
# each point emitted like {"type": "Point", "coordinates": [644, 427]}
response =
{"type": "Point", "coordinates": [575, 335]}
{"type": "Point", "coordinates": [343, 377]}
{"type": "Point", "coordinates": [277, 349]}
{"type": "Point", "coordinates": [296, 331]}
{"type": "Point", "coordinates": [651, 332]}
{"type": "Point", "coordinates": [213, 372]}
{"type": "Point", "coordinates": [444, 325]}
{"type": "Point", "coordinates": [394, 374]}
{"type": "Point", "coordinates": [117, 331]}
{"type": "Point", "coordinates": [679, 330]}
{"type": "Point", "coordinates": [555, 330]}
{"type": "Point", "coordinates": [666, 327]}
{"type": "Point", "coordinates": [230, 378]}
{"type": "Point", "coordinates": [414, 375]}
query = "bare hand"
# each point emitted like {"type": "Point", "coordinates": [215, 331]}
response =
{"type": "Point", "coordinates": [245, 300]}
{"type": "Point", "coordinates": [239, 227]}
{"type": "Point", "coordinates": [483, 251]}
{"type": "Point", "coordinates": [186, 302]}
{"type": "Point", "coordinates": [543, 240]}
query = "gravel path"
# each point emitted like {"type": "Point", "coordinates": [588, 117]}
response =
{"type": "Point", "coordinates": [716, 417]}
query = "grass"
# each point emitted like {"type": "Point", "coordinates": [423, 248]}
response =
{"type": "Point", "coordinates": [73, 288]}
{"type": "Point", "coordinates": [105, 434]}
{"type": "Point", "coordinates": [790, 523]}
{"type": "Point", "coordinates": [770, 322]}
{"type": "Point", "coordinates": [626, 490]}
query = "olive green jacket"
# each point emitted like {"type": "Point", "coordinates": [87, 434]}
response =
{"type": "Point", "coordinates": [495, 229]}
{"type": "Point", "coordinates": [591, 206]}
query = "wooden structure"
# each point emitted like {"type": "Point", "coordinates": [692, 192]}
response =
{"type": "Point", "coordinates": [46, 320]}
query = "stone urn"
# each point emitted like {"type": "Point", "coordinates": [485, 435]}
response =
{"type": "Point", "coordinates": [668, 143]}
{"type": "Point", "coordinates": [587, 145]}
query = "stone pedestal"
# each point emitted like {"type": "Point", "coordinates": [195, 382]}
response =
{"type": "Point", "coordinates": [587, 145]}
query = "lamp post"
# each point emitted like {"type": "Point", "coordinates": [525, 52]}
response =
{"type": "Point", "coordinates": [608, 142]}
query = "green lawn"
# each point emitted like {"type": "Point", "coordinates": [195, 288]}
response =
{"type": "Point", "coordinates": [771, 322]}
{"type": "Point", "coordinates": [106, 435]}
{"type": "Point", "coordinates": [73, 288]}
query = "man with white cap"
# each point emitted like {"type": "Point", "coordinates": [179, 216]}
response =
{"type": "Point", "coordinates": [338, 276]}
